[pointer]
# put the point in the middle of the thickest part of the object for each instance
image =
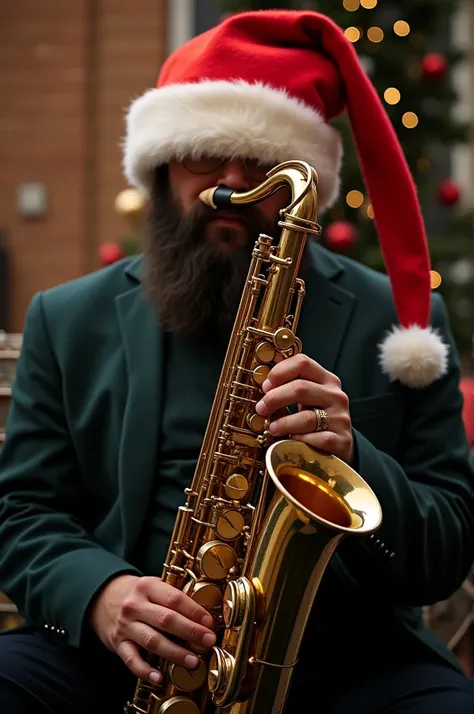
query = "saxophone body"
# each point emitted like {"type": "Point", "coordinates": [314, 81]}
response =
{"type": "Point", "coordinates": [262, 517]}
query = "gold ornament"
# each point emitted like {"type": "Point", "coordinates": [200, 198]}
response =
{"type": "Point", "coordinates": [130, 204]}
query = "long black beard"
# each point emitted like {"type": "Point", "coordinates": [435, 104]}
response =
{"type": "Point", "coordinates": [195, 285]}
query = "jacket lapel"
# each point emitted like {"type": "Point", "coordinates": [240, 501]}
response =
{"type": "Point", "coordinates": [143, 347]}
{"type": "Point", "coordinates": [327, 308]}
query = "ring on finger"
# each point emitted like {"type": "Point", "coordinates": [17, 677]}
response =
{"type": "Point", "coordinates": [322, 419]}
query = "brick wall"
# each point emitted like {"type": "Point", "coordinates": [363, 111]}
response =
{"type": "Point", "coordinates": [69, 70]}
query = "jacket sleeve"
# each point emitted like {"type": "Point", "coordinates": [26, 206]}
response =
{"type": "Point", "coordinates": [425, 545]}
{"type": "Point", "coordinates": [50, 566]}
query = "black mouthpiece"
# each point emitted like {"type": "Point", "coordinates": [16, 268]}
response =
{"type": "Point", "coordinates": [221, 197]}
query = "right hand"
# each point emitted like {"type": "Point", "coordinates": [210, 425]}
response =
{"type": "Point", "coordinates": [131, 613]}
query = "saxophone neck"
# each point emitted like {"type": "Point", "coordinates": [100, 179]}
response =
{"type": "Point", "coordinates": [302, 180]}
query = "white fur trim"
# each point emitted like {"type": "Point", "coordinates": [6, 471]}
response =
{"type": "Point", "coordinates": [232, 119]}
{"type": "Point", "coordinates": [414, 355]}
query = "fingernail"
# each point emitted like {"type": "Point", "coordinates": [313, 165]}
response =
{"type": "Point", "coordinates": [191, 661]}
{"type": "Point", "coordinates": [266, 385]}
{"type": "Point", "coordinates": [273, 427]}
{"type": "Point", "coordinates": [207, 621]}
{"type": "Point", "coordinates": [208, 640]}
{"type": "Point", "coordinates": [261, 408]}
{"type": "Point", "coordinates": [154, 677]}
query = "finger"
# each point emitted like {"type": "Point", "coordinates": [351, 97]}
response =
{"type": "Point", "coordinates": [302, 423]}
{"type": "Point", "coordinates": [330, 443]}
{"type": "Point", "coordinates": [172, 622]}
{"type": "Point", "coordinates": [297, 366]}
{"type": "Point", "coordinates": [156, 642]}
{"type": "Point", "coordinates": [163, 594]}
{"type": "Point", "coordinates": [129, 652]}
{"type": "Point", "coordinates": [298, 391]}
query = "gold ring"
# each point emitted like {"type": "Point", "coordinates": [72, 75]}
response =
{"type": "Point", "coordinates": [322, 419]}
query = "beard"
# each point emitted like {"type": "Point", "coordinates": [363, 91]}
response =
{"type": "Point", "coordinates": [196, 283]}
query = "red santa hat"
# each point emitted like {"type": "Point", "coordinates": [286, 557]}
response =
{"type": "Point", "coordinates": [265, 85]}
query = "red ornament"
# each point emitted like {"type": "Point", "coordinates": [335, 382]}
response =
{"type": "Point", "coordinates": [434, 66]}
{"type": "Point", "coordinates": [449, 192]}
{"type": "Point", "coordinates": [110, 253]}
{"type": "Point", "coordinates": [341, 235]}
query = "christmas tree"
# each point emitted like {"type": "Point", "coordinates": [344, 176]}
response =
{"type": "Point", "coordinates": [404, 46]}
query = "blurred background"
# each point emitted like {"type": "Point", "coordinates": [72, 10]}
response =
{"type": "Point", "coordinates": [71, 69]}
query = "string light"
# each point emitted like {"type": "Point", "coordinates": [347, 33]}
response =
{"type": "Point", "coordinates": [392, 95]}
{"type": "Point", "coordinates": [375, 34]}
{"type": "Point", "coordinates": [353, 34]}
{"type": "Point", "coordinates": [370, 211]}
{"type": "Point", "coordinates": [401, 28]}
{"type": "Point", "coordinates": [355, 199]}
{"type": "Point", "coordinates": [368, 4]}
{"type": "Point", "coordinates": [410, 120]}
{"type": "Point", "coordinates": [351, 5]}
{"type": "Point", "coordinates": [435, 279]}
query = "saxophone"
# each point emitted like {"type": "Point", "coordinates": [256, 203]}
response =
{"type": "Point", "coordinates": [262, 517]}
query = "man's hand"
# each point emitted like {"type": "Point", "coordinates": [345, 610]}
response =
{"type": "Point", "coordinates": [300, 380]}
{"type": "Point", "coordinates": [131, 613]}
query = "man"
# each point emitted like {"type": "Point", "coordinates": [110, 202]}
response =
{"type": "Point", "coordinates": [118, 372]}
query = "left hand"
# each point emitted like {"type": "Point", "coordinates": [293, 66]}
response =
{"type": "Point", "coordinates": [303, 381]}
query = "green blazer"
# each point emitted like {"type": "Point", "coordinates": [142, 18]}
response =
{"type": "Point", "coordinates": [78, 463]}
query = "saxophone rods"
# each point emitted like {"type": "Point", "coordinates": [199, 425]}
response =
{"type": "Point", "coordinates": [262, 517]}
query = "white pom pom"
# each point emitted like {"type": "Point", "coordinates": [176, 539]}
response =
{"type": "Point", "coordinates": [414, 355]}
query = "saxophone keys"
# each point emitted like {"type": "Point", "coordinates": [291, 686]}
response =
{"type": "Point", "coordinates": [215, 560]}
{"type": "Point", "coordinates": [256, 422]}
{"type": "Point", "coordinates": [188, 680]}
{"type": "Point", "coordinates": [260, 374]}
{"type": "Point", "coordinates": [176, 705]}
{"type": "Point", "coordinates": [265, 352]}
{"type": "Point", "coordinates": [208, 595]}
{"type": "Point", "coordinates": [230, 524]}
{"type": "Point", "coordinates": [283, 339]}
{"type": "Point", "coordinates": [235, 603]}
{"type": "Point", "coordinates": [220, 670]}
{"type": "Point", "coordinates": [236, 486]}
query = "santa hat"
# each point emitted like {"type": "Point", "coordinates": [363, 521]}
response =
{"type": "Point", "coordinates": [265, 85]}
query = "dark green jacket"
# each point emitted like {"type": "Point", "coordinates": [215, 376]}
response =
{"type": "Point", "coordinates": [77, 467]}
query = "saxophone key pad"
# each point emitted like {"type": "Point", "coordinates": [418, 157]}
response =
{"type": "Point", "coordinates": [283, 339]}
{"type": "Point", "coordinates": [208, 595]}
{"type": "Point", "coordinates": [265, 352]}
{"type": "Point", "coordinates": [176, 705]}
{"type": "Point", "coordinates": [188, 680]}
{"type": "Point", "coordinates": [230, 524]}
{"type": "Point", "coordinates": [260, 373]}
{"type": "Point", "coordinates": [237, 486]}
{"type": "Point", "coordinates": [216, 559]}
{"type": "Point", "coordinates": [256, 422]}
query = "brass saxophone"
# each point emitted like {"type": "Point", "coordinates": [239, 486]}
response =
{"type": "Point", "coordinates": [262, 517]}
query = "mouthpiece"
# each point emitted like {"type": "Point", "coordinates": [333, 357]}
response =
{"type": "Point", "coordinates": [220, 197]}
